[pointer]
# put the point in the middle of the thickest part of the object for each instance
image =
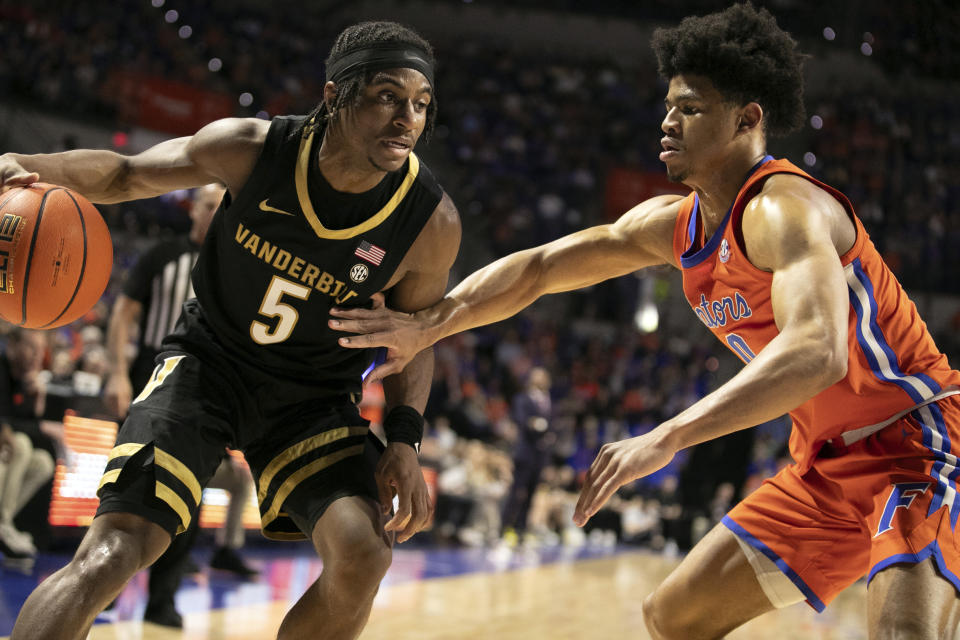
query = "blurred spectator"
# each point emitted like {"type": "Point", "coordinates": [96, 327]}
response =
{"type": "Point", "coordinates": [551, 511]}
{"type": "Point", "coordinates": [471, 482]}
{"type": "Point", "coordinates": [525, 143]}
{"type": "Point", "coordinates": [531, 412]}
{"type": "Point", "coordinates": [26, 463]}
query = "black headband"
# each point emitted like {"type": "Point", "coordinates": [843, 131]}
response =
{"type": "Point", "coordinates": [377, 59]}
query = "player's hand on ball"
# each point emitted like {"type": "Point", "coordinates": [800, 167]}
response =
{"type": "Point", "coordinates": [403, 334]}
{"type": "Point", "coordinates": [617, 464]}
{"type": "Point", "coordinates": [398, 473]}
{"type": "Point", "coordinates": [13, 175]}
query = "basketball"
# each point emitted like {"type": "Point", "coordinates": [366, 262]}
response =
{"type": "Point", "coordinates": [55, 256]}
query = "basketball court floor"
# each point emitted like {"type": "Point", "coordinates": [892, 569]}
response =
{"type": "Point", "coordinates": [440, 594]}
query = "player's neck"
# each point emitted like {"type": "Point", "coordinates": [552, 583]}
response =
{"type": "Point", "coordinates": [346, 172]}
{"type": "Point", "coordinates": [718, 190]}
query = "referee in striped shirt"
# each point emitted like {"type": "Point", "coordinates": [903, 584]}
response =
{"type": "Point", "coordinates": [155, 289]}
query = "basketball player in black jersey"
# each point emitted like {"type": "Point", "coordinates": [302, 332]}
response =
{"type": "Point", "coordinates": [321, 210]}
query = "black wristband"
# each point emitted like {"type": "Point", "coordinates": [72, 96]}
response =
{"type": "Point", "coordinates": [404, 424]}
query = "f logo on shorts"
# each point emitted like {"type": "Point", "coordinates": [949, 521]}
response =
{"type": "Point", "coordinates": [902, 495]}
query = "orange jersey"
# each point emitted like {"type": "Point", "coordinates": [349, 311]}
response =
{"type": "Point", "coordinates": [893, 364]}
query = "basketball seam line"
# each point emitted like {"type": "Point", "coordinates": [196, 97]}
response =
{"type": "Point", "coordinates": [33, 243]}
{"type": "Point", "coordinates": [83, 265]}
{"type": "Point", "coordinates": [12, 196]}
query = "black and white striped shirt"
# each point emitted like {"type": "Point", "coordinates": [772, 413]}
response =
{"type": "Point", "coordinates": [160, 281]}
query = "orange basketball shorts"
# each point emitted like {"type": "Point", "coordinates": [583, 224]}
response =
{"type": "Point", "coordinates": [889, 498]}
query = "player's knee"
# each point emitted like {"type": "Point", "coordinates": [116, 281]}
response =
{"type": "Point", "coordinates": [119, 545]}
{"type": "Point", "coordinates": [662, 622]}
{"type": "Point", "coordinates": [113, 557]}
{"type": "Point", "coordinates": [364, 564]}
{"type": "Point", "coordinates": [372, 557]}
{"type": "Point", "coordinates": [651, 617]}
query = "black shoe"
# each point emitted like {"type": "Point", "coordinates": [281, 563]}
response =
{"type": "Point", "coordinates": [164, 615]}
{"type": "Point", "coordinates": [226, 559]}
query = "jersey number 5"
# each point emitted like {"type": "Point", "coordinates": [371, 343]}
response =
{"type": "Point", "coordinates": [272, 307]}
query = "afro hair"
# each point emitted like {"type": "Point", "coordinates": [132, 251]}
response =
{"type": "Point", "coordinates": [746, 56]}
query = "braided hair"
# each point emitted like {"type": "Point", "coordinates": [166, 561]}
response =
{"type": "Point", "coordinates": [366, 35]}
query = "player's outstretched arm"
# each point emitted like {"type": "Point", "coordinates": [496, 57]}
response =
{"type": "Point", "coordinates": [797, 232]}
{"type": "Point", "coordinates": [427, 266]}
{"type": "Point", "coordinates": [223, 151]}
{"type": "Point", "coordinates": [640, 238]}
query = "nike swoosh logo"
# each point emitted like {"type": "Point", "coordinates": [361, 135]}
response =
{"type": "Point", "coordinates": [265, 207]}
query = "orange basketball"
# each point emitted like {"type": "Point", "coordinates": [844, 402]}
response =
{"type": "Point", "coordinates": [55, 256]}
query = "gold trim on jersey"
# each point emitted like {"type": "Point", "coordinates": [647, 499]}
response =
{"type": "Point", "coordinates": [292, 453]}
{"type": "Point", "coordinates": [303, 194]}
{"type": "Point", "coordinates": [302, 474]}
{"type": "Point", "coordinates": [163, 460]}
{"type": "Point", "coordinates": [108, 477]}
{"type": "Point", "coordinates": [163, 492]}
{"type": "Point", "coordinates": [176, 503]}
{"type": "Point", "coordinates": [180, 472]}
{"type": "Point", "coordinates": [282, 536]}
{"type": "Point", "coordinates": [126, 449]}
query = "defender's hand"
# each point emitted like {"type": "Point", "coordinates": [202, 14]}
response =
{"type": "Point", "coordinates": [117, 394]}
{"type": "Point", "coordinates": [617, 464]}
{"type": "Point", "coordinates": [13, 175]}
{"type": "Point", "coordinates": [403, 334]}
{"type": "Point", "coordinates": [398, 472]}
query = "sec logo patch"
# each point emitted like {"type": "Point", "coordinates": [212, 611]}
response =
{"type": "Point", "coordinates": [359, 273]}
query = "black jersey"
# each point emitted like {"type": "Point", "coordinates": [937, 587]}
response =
{"type": "Point", "coordinates": [290, 247]}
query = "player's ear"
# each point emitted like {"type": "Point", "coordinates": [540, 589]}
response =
{"type": "Point", "coordinates": [750, 117]}
{"type": "Point", "coordinates": [329, 95]}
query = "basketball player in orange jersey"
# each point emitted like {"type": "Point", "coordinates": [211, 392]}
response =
{"type": "Point", "coordinates": [326, 209]}
{"type": "Point", "coordinates": [779, 268]}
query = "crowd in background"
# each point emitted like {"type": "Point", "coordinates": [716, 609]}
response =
{"type": "Point", "coordinates": [523, 145]}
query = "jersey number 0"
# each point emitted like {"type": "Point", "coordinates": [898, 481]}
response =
{"type": "Point", "coordinates": [273, 307]}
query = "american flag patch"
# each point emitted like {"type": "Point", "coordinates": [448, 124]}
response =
{"type": "Point", "coordinates": [370, 252]}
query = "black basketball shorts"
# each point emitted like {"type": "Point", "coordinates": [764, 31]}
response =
{"type": "Point", "coordinates": [304, 454]}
